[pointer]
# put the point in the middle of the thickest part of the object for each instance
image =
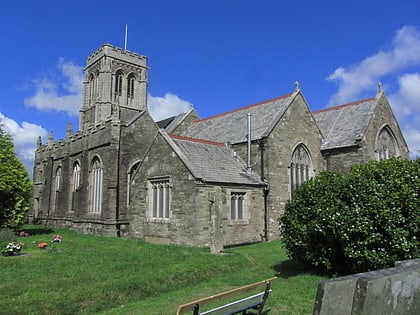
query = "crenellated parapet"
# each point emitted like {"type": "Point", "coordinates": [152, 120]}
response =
{"type": "Point", "coordinates": [117, 53]}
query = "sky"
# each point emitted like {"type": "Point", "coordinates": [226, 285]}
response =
{"type": "Point", "coordinates": [214, 55]}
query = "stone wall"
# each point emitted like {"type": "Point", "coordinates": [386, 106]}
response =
{"type": "Point", "coordinates": [296, 126]}
{"type": "Point", "coordinates": [199, 210]}
{"type": "Point", "coordinates": [392, 291]}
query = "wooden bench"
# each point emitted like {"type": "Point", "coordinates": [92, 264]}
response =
{"type": "Point", "coordinates": [255, 301]}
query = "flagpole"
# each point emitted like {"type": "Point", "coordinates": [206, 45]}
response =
{"type": "Point", "coordinates": [125, 39]}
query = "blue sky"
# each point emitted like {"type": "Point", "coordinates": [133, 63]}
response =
{"type": "Point", "coordinates": [217, 55]}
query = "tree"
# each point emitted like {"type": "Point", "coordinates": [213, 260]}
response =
{"type": "Point", "coordinates": [362, 221]}
{"type": "Point", "coordinates": [15, 185]}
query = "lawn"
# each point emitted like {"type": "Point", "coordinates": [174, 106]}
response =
{"type": "Point", "coordinates": [88, 274]}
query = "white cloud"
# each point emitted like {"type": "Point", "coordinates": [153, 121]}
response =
{"type": "Point", "coordinates": [24, 138]}
{"type": "Point", "coordinates": [59, 90]}
{"type": "Point", "coordinates": [166, 106]}
{"type": "Point", "coordinates": [403, 53]}
{"type": "Point", "coordinates": [398, 66]}
{"type": "Point", "coordinates": [406, 106]}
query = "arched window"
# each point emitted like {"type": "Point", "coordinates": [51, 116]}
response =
{"type": "Point", "coordinates": [58, 179]}
{"type": "Point", "coordinates": [301, 168]}
{"type": "Point", "coordinates": [386, 145]}
{"type": "Point", "coordinates": [130, 85]}
{"type": "Point", "coordinates": [76, 177]}
{"type": "Point", "coordinates": [130, 179]}
{"type": "Point", "coordinates": [92, 89]}
{"type": "Point", "coordinates": [96, 186]}
{"type": "Point", "coordinates": [119, 83]}
{"type": "Point", "coordinates": [56, 186]}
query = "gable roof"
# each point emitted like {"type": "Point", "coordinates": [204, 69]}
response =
{"type": "Point", "coordinates": [345, 125]}
{"type": "Point", "coordinates": [212, 161]}
{"type": "Point", "coordinates": [232, 126]}
{"type": "Point", "coordinates": [167, 121]}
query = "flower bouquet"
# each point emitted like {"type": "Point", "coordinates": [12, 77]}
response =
{"type": "Point", "coordinates": [42, 245]}
{"type": "Point", "coordinates": [12, 248]}
{"type": "Point", "coordinates": [56, 238]}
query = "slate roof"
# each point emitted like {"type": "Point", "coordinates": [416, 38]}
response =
{"type": "Point", "coordinates": [166, 122]}
{"type": "Point", "coordinates": [345, 125]}
{"type": "Point", "coordinates": [171, 123]}
{"type": "Point", "coordinates": [212, 161]}
{"type": "Point", "coordinates": [232, 126]}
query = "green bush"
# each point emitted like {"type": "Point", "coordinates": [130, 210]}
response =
{"type": "Point", "coordinates": [362, 221]}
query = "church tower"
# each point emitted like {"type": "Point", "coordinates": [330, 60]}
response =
{"type": "Point", "coordinates": [115, 86]}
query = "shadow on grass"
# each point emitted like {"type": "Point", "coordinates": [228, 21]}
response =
{"type": "Point", "coordinates": [265, 312]}
{"type": "Point", "coordinates": [37, 230]}
{"type": "Point", "coordinates": [292, 268]}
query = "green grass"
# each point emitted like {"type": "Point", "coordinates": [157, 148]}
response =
{"type": "Point", "coordinates": [93, 274]}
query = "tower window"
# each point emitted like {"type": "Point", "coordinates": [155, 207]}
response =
{"type": "Point", "coordinates": [118, 83]}
{"type": "Point", "coordinates": [130, 87]}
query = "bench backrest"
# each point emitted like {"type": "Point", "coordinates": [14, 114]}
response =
{"type": "Point", "coordinates": [189, 307]}
{"type": "Point", "coordinates": [235, 307]}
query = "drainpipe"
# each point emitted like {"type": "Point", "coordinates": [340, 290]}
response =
{"type": "Point", "coordinates": [249, 168]}
{"type": "Point", "coordinates": [266, 188]}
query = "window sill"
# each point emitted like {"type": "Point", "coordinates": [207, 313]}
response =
{"type": "Point", "coordinates": [238, 222]}
{"type": "Point", "coordinates": [158, 220]}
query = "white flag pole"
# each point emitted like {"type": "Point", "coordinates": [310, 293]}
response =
{"type": "Point", "coordinates": [125, 39]}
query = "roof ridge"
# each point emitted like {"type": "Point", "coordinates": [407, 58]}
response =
{"type": "Point", "coordinates": [203, 141]}
{"type": "Point", "coordinates": [245, 107]}
{"type": "Point", "coordinates": [344, 105]}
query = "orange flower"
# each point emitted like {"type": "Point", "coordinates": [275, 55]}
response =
{"type": "Point", "coordinates": [42, 245]}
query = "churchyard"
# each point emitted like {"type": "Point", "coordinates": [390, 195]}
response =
{"type": "Point", "coordinates": [85, 274]}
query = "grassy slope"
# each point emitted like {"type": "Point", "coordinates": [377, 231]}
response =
{"type": "Point", "coordinates": [92, 274]}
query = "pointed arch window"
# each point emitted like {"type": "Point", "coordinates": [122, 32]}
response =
{"type": "Point", "coordinates": [92, 89]}
{"type": "Point", "coordinates": [75, 183]}
{"type": "Point", "coordinates": [96, 186]}
{"type": "Point", "coordinates": [386, 145]}
{"type": "Point", "coordinates": [130, 179]}
{"type": "Point", "coordinates": [301, 168]}
{"type": "Point", "coordinates": [130, 85]}
{"type": "Point", "coordinates": [56, 187]}
{"type": "Point", "coordinates": [119, 83]}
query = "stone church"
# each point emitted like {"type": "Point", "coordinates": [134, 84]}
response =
{"type": "Point", "coordinates": [219, 181]}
